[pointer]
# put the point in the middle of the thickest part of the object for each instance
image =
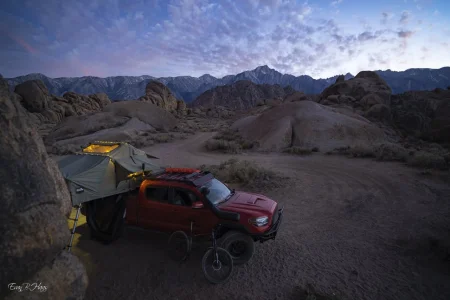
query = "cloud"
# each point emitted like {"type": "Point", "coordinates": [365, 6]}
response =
{"type": "Point", "coordinates": [386, 16]}
{"type": "Point", "coordinates": [336, 2]}
{"type": "Point", "coordinates": [405, 34]}
{"type": "Point", "coordinates": [193, 37]}
{"type": "Point", "coordinates": [405, 17]}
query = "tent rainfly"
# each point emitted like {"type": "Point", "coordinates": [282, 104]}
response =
{"type": "Point", "coordinates": [104, 169]}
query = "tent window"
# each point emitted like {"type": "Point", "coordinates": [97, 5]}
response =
{"type": "Point", "coordinates": [94, 148]}
{"type": "Point", "coordinates": [158, 194]}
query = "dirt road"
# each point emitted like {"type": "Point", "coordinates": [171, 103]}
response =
{"type": "Point", "coordinates": [353, 228]}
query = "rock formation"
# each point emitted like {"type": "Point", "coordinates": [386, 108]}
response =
{"type": "Point", "coordinates": [160, 95]}
{"type": "Point", "coordinates": [241, 95]}
{"type": "Point", "coordinates": [366, 83]}
{"type": "Point", "coordinates": [45, 109]}
{"type": "Point", "coordinates": [296, 96]}
{"type": "Point", "coordinates": [308, 124]}
{"type": "Point", "coordinates": [367, 93]}
{"type": "Point", "coordinates": [34, 202]}
{"type": "Point", "coordinates": [119, 121]}
{"type": "Point", "coordinates": [424, 114]}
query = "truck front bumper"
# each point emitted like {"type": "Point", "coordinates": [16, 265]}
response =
{"type": "Point", "coordinates": [271, 233]}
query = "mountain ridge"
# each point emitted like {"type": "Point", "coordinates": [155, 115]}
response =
{"type": "Point", "coordinates": [188, 88]}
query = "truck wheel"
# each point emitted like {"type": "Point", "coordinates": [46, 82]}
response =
{"type": "Point", "coordinates": [240, 246]}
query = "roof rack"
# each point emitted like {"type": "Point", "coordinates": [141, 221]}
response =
{"type": "Point", "coordinates": [189, 176]}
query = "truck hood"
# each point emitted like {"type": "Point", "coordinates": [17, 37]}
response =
{"type": "Point", "coordinates": [253, 204]}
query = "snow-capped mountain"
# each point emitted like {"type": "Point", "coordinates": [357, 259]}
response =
{"type": "Point", "coordinates": [188, 87]}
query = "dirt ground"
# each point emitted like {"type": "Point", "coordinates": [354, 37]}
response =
{"type": "Point", "coordinates": [353, 229]}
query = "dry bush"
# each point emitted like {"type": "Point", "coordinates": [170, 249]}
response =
{"type": "Point", "coordinates": [362, 151]}
{"type": "Point", "coordinates": [223, 145]}
{"type": "Point", "coordinates": [244, 172]}
{"type": "Point", "coordinates": [228, 135]}
{"type": "Point", "coordinates": [298, 151]}
{"type": "Point", "coordinates": [163, 138]}
{"type": "Point", "coordinates": [229, 141]}
{"type": "Point", "coordinates": [382, 152]}
{"type": "Point", "coordinates": [391, 152]}
{"type": "Point", "coordinates": [64, 149]}
{"type": "Point", "coordinates": [427, 160]}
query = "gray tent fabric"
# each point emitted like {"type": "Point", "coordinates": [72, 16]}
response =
{"type": "Point", "coordinates": [104, 169]}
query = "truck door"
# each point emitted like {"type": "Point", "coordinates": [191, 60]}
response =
{"type": "Point", "coordinates": [183, 213]}
{"type": "Point", "coordinates": [154, 208]}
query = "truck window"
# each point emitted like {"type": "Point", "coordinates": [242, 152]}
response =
{"type": "Point", "coordinates": [158, 194]}
{"type": "Point", "coordinates": [183, 197]}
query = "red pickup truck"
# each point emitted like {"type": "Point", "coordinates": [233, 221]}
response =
{"type": "Point", "coordinates": [171, 201]}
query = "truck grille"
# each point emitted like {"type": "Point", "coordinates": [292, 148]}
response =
{"type": "Point", "coordinates": [275, 215]}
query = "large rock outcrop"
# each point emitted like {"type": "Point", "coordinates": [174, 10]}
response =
{"type": "Point", "coordinates": [44, 108]}
{"type": "Point", "coordinates": [119, 121]}
{"type": "Point", "coordinates": [242, 95]}
{"type": "Point", "coordinates": [364, 84]}
{"type": "Point", "coordinates": [308, 124]}
{"type": "Point", "coordinates": [363, 92]}
{"type": "Point", "coordinates": [424, 114]}
{"type": "Point", "coordinates": [34, 202]}
{"type": "Point", "coordinates": [160, 95]}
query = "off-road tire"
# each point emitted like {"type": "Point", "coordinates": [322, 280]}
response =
{"type": "Point", "coordinates": [228, 242]}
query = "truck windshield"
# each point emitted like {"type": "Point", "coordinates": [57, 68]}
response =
{"type": "Point", "coordinates": [217, 191]}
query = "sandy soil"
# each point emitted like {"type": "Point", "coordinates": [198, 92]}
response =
{"type": "Point", "coordinates": [353, 228]}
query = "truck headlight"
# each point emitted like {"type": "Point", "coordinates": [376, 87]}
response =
{"type": "Point", "coordinates": [259, 221]}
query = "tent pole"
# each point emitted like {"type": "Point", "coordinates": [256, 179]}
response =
{"type": "Point", "coordinates": [69, 247]}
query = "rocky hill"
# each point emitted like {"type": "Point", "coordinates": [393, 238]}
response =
{"type": "Point", "coordinates": [188, 88]}
{"type": "Point", "coordinates": [419, 114]}
{"type": "Point", "coordinates": [242, 95]}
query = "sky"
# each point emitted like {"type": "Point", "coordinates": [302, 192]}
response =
{"type": "Point", "coordinates": [195, 37]}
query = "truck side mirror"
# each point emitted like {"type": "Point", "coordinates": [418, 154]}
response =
{"type": "Point", "coordinates": [197, 205]}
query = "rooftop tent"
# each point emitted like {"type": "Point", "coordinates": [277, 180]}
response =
{"type": "Point", "coordinates": [103, 169]}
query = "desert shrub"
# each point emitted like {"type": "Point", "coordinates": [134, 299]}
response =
{"type": "Point", "coordinates": [142, 141]}
{"type": "Point", "coordinates": [244, 172]}
{"type": "Point", "coordinates": [223, 145]}
{"type": "Point", "coordinates": [249, 144]}
{"type": "Point", "coordinates": [391, 152]}
{"type": "Point", "coordinates": [228, 135]}
{"type": "Point", "coordinates": [298, 151]}
{"type": "Point", "coordinates": [163, 138]}
{"type": "Point", "coordinates": [230, 141]}
{"type": "Point", "coordinates": [362, 151]}
{"type": "Point", "coordinates": [382, 152]}
{"type": "Point", "coordinates": [427, 160]}
{"type": "Point", "coordinates": [64, 149]}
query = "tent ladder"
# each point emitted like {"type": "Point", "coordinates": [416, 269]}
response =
{"type": "Point", "coordinates": [72, 234]}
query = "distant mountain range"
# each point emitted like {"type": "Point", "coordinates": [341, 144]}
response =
{"type": "Point", "coordinates": [188, 88]}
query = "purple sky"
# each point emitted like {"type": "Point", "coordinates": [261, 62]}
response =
{"type": "Point", "coordinates": [194, 37]}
